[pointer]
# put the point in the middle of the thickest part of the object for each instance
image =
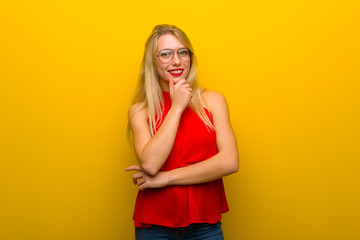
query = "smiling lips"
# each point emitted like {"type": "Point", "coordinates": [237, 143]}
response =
{"type": "Point", "coordinates": [176, 72]}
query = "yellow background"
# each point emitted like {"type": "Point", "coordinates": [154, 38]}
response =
{"type": "Point", "coordinates": [290, 71]}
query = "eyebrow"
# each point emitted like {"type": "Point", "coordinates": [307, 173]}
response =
{"type": "Point", "coordinates": [173, 49]}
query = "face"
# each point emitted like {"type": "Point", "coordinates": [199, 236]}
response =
{"type": "Point", "coordinates": [176, 68]}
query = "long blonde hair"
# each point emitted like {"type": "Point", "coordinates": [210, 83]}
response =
{"type": "Point", "coordinates": [148, 91]}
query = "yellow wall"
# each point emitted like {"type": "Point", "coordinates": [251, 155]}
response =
{"type": "Point", "coordinates": [289, 69]}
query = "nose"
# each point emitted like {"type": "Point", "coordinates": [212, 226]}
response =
{"type": "Point", "coordinates": [176, 60]}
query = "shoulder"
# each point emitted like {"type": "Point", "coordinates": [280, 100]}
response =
{"type": "Point", "coordinates": [214, 100]}
{"type": "Point", "coordinates": [138, 110]}
{"type": "Point", "coordinates": [212, 95]}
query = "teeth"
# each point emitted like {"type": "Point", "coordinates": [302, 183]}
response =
{"type": "Point", "coordinates": [177, 71]}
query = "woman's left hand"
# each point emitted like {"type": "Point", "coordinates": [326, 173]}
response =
{"type": "Point", "coordinates": [145, 181]}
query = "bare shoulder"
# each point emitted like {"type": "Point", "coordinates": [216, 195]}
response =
{"type": "Point", "coordinates": [214, 100]}
{"type": "Point", "coordinates": [138, 110]}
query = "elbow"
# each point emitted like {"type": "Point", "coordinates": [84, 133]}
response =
{"type": "Point", "coordinates": [151, 172]}
{"type": "Point", "coordinates": [234, 164]}
{"type": "Point", "coordinates": [235, 168]}
{"type": "Point", "coordinates": [149, 169]}
{"type": "Point", "coordinates": [147, 165]}
{"type": "Point", "coordinates": [229, 163]}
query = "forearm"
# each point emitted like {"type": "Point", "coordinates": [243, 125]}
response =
{"type": "Point", "coordinates": [213, 168]}
{"type": "Point", "coordinates": [225, 162]}
{"type": "Point", "coordinates": [156, 151]}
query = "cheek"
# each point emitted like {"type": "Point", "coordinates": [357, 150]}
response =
{"type": "Point", "coordinates": [161, 70]}
{"type": "Point", "coordinates": [159, 66]}
{"type": "Point", "coordinates": [187, 68]}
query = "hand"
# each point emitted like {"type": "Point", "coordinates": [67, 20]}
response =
{"type": "Point", "coordinates": [180, 93]}
{"type": "Point", "coordinates": [145, 181]}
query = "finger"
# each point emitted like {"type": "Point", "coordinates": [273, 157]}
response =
{"type": "Point", "coordinates": [180, 82]}
{"type": "Point", "coordinates": [171, 82]}
{"type": "Point", "coordinates": [188, 88]}
{"type": "Point", "coordinates": [171, 86]}
{"type": "Point", "coordinates": [137, 176]}
{"type": "Point", "coordinates": [133, 168]}
{"type": "Point", "coordinates": [176, 80]}
{"type": "Point", "coordinates": [141, 181]}
{"type": "Point", "coordinates": [134, 181]}
{"type": "Point", "coordinates": [143, 187]}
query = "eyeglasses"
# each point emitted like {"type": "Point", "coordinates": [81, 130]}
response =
{"type": "Point", "coordinates": [166, 55]}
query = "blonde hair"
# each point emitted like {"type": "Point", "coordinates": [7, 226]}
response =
{"type": "Point", "coordinates": [148, 91]}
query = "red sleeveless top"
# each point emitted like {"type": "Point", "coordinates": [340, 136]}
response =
{"type": "Point", "coordinates": [179, 206]}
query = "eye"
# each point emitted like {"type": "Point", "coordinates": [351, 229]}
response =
{"type": "Point", "coordinates": [183, 52]}
{"type": "Point", "coordinates": [165, 53]}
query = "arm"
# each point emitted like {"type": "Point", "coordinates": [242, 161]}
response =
{"type": "Point", "coordinates": [152, 151]}
{"type": "Point", "coordinates": [223, 163]}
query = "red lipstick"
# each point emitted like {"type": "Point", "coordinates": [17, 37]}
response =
{"type": "Point", "coordinates": [176, 72]}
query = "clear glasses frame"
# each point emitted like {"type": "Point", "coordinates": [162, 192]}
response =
{"type": "Point", "coordinates": [180, 52]}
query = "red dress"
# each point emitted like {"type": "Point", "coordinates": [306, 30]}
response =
{"type": "Point", "coordinates": [179, 206]}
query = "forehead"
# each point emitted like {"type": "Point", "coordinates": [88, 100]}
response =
{"type": "Point", "coordinates": [169, 41]}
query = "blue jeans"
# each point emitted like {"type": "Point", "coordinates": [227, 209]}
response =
{"type": "Point", "coordinates": [195, 231]}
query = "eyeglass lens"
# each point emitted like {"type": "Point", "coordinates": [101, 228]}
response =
{"type": "Point", "coordinates": [167, 54]}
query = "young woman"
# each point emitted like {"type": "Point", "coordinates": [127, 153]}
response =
{"type": "Point", "coordinates": [183, 141]}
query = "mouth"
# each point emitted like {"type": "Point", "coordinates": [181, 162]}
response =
{"type": "Point", "coordinates": [176, 72]}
